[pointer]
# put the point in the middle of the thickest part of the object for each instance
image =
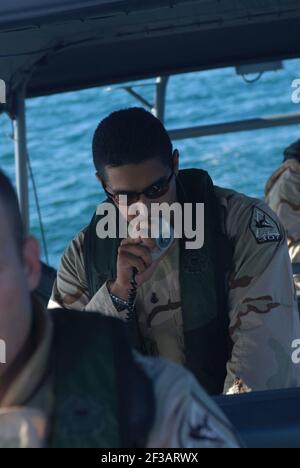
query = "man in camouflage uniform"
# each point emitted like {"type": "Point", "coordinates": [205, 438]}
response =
{"type": "Point", "coordinates": [183, 415]}
{"type": "Point", "coordinates": [283, 196]}
{"type": "Point", "coordinates": [262, 307]}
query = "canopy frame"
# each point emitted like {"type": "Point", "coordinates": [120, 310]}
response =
{"type": "Point", "coordinates": [18, 118]}
{"type": "Point", "coordinates": [21, 155]}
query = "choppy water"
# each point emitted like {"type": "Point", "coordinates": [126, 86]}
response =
{"type": "Point", "coordinates": [60, 130]}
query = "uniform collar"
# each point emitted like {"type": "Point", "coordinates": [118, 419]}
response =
{"type": "Point", "coordinates": [28, 379]}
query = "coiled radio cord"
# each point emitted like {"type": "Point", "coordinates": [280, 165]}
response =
{"type": "Point", "coordinates": [132, 297]}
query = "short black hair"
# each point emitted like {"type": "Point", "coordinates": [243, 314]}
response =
{"type": "Point", "coordinates": [130, 136]}
{"type": "Point", "coordinates": [9, 200]}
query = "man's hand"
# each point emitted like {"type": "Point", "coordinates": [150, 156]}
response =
{"type": "Point", "coordinates": [133, 253]}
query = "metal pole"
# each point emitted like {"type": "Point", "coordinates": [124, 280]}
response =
{"type": "Point", "coordinates": [160, 98]}
{"type": "Point", "coordinates": [20, 143]}
{"type": "Point", "coordinates": [235, 127]}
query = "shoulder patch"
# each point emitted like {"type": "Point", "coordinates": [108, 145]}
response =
{"type": "Point", "coordinates": [263, 227]}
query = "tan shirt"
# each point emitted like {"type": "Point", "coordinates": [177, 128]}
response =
{"type": "Point", "coordinates": [262, 306]}
{"type": "Point", "coordinates": [283, 196]}
{"type": "Point", "coordinates": [26, 406]}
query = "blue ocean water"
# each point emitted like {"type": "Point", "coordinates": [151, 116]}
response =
{"type": "Point", "coordinates": [60, 130]}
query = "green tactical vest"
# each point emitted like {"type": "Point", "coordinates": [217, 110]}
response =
{"type": "Point", "coordinates": [102, 397]}
{"type": "Point", "coordinates": [202, 281]}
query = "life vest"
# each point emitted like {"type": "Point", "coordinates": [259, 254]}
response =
{"type": "Point", "coordinates": [202, 281]}
{"type": "Point", "coordinates": [102, 398]}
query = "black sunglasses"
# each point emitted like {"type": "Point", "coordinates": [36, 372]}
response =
{"type": "Point", "coordinates": [155, 191]}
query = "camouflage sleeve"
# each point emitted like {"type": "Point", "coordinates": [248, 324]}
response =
{"type": "Point", "coordinates": [70, 290]}
{"type": "Point", "coordinates": [283, 196]}
{"type": "Point", "coordinates": [289, 214]}
{"type": "Point", "coordinates": [185, 416]}
{"type": "Point", "coordinates": [264, 318]}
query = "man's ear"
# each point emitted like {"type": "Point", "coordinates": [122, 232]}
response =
{"type": "Point", "coordinates": [31, 262]}
{"type": "Point", "coordinates": [176, 156]}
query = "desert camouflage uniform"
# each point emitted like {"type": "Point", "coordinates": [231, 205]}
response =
{"type": "Point", "coordinates": [262, 304]}
{"type": "Point", "coordinates": [26, 406]}
{"type": "Point", "coordinates": [283, 196]}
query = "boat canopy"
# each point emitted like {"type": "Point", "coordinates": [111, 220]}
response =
{"type": "Point", "coordinates": [63, 45]}
{"type": "Point", "coordinates": [53, 46]}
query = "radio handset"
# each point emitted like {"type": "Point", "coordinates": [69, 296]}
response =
{"type": "Point", "coordinates": [163, 243]}
{"type": "Point", "coordinates": [164, 240]}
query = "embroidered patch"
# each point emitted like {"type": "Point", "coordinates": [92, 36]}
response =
{"type": "Point", "coordinates": [263, 227]}
{"type": "Point", "coordinates": [202, 427]}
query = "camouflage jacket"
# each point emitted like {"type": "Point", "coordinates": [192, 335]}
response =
{"type": "Point", "coordinates": [262, 305]}
{"type": "Point", "coordinates": [283, 196]}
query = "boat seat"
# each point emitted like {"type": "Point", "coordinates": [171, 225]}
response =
{"type": "Point", "coordinates": [265, 419]}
